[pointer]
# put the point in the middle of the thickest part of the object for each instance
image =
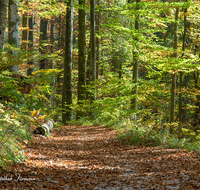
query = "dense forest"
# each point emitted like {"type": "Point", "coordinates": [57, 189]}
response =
{"type": "Point", "coordinates": [130, 65]}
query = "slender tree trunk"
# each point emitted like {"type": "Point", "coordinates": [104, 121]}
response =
{"type": "Point", "coordinates": [182, 74]}
{"type": "Point", "coordinates": [92, 75]}
{"type": "Point", "coordinates": [30, 45]}
{"type": "Point", "coordinates": [67, 81]}
{"type": "Point", "coordinates": [59, 65]}
{"type": "Point", "coordinates": [24, 30]}
{"type": "Point", "coordinates": [88, 67]}
{"type": "Point", "coordinates": [136, 60]}
{"type": "Point", "coordinates": [197, 103]}
{"type": "Point", "coordinates": [97, 18]}
{"type": "Point", "coordinates": [52, 35]}
{"type": "Point", "coordinates": [3, 20]}
{"type": "Point", "coordinates": [13, 29]}
{"type": "Point", "coordinates": [82, 54]}
{"type": "Point", "coordinates": [173, 93]}
{"type": "Point", "coordinates": [43, 39]}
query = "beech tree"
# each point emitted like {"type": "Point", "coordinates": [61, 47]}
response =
{"type": "Point", "coordinates": [97, 31]}
{"type": "Point", "coordinates": [30, 44]}
{"type": "Point", "coordinates": [173, 88]}
{"type": "Point", "coordinates": [13, 27]}
{"type": "Point", "coordinates": [183, 112]}
{"type": "Point", "coordinates": [82, 55]}
{"type": "Point", "coordinates": [43, 39]}
{"type": "Point", "coordinates": [92, 72]}
{"type": "Point", "coordinates": [24, 27]}
{"type": "Point", "coordinates": [136, 58]}
{"type": "Point", "coordinates": [67, 81]}
{"type": "Point", "coordinates": [3, 21]}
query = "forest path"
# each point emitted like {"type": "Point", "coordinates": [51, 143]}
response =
{"type": "Point", "coordinates": [81, 157]}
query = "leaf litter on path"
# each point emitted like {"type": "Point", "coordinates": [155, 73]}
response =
{"type": "Point", "coordinates": [82, 157]}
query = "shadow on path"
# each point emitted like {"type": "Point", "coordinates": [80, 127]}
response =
{"type": "Point", "coordinates": [82, 157]}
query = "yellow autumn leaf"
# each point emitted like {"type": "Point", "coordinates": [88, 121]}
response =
{"type": "Point", "coordinates": [34, 112]}
{"type": "Point", "coordinates": [21, 146]}
{"type": "Point", "coordinates": [41, 117]}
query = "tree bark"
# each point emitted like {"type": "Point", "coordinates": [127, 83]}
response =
{"type": "Point", "coordinates": [13, 29]}
{"type": "Point", "coordinates": [3, 20]}
{"type": "Point", "coordinates": [182, 74]}
{"type": "Point", "coordinates": [45, 128]}
{"type": "Point", "coordinates": [67, 81]}
{"type": "Point", "coordinates": [173, 93]}
{"type": "Point", "coordinates": [97, 29]}
{"type": "Point", "coordinates": [197, 103]}
{"type": "Point", "coordinates": [82, 56]}
{"type": "Point", "coordinates": [30, 45]}
{"type": "Point", "coordinates": [92, 73]}
{"type": "Point", "coordinates": [43, 39]}
{"type": "Point", "coordinates": [135, 60]}
{"type": "Point", "coordinates": [24, 30]}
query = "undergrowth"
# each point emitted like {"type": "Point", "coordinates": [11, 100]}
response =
{"type": "Point", "coordinates": [151, 135]}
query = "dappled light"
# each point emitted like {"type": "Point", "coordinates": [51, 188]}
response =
{"type": "Point", "coordinates": [85, 157]}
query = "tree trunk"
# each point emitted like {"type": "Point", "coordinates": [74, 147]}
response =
{"type": "Point", "coordinates": [82, 54]}
{"type": "Point", "coordinates": [92, 75]}
{"type": "Point", "coordinates": [43, 39]}
{"type": "Point", "coordinates": [135, 60]}
{"type": "Point", "coordinates": [182, 74]}
{"type": "Point", "coordinates": [13, 29]}
{"type": "Point", "coordinates": [197, 103]}
{"type": "Point", "coordinates": [173, 93]}
{"type": "Point", "coordinates": [45, 128]}
{"type": "Point", "coordinates": [24, 29]}
{"type": "Point", "coordinates": [97, 29]}
{"type": "Point", "coordinates": [30, 45]}
{"type": "Point", "coordinates": [67, 81]}
{"type": "Point", "coordinates": [3, 20]}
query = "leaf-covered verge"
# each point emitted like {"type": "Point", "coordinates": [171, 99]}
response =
{"type": "Point", "coordinates": [20, 95]}
{"type": "Point", "coordinates": [82, 157]}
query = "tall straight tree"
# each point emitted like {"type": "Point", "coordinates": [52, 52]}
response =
{"type": "Point", "coordinates": [182, 74]}
{"type": "Point", "coordinates": [173, 88]}
{"type": "Point", "coordinates": [97, 31]}
{"type": "Point", "coordinates": [43, 38]}
{"type": "Point", "coordinates": [67, 81]}
{"type": "Point", "coordinates": [24, 29]}
{"type": "Point", "coordinates": [13, 27]}
{"type": "Point", "coordinates": [92, 73]}
{"type": "Point", "coordinates": [30, 44]}
{"type": "Point", "coordinates": [82, 55]}
{"type": "Point", "coordinates": [136, 59]}
{"type": "Point", "coordinates": [3, 20]}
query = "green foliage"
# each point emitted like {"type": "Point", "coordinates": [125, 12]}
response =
{"type": "Point", "coordinates": [148, 135]}
{"type": "Point", "coordinates": [14, 130]}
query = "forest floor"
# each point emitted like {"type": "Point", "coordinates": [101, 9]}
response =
{"type": "Point", "coordinates": [81, 157]}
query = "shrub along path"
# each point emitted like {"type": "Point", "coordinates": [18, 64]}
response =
{"type": "Point", "coordinates": [81, 157]}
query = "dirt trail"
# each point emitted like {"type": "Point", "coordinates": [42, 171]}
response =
{"type": "Point", "coordinates": [81, 157]}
